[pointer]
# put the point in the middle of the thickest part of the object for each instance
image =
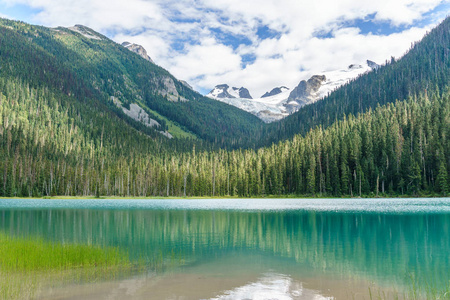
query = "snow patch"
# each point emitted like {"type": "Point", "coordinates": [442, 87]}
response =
{"type": "Point", "coordinates": [225, 91]}
{"type": "Point", "coordinates": [268, 109]}
{"type": "Point", "coordinates": [234, 92]}
{"type": "Point", "coordinates": [336, 79]}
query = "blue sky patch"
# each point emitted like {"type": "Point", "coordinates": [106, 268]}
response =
{"type": "Point", "coordinates": [230, 39]}
{"type": "Point", "coordinates": [180, 44]}
{"type": "Point", "coordinates": [369, 24]}
{"type": "Point", "coordinates": [247, 59]}
{"type": "Point", "coordinates": [19, 12]}
{"type": "Point", "coordinates": [323, 34]}
{"type": "Point", "coordinates": [439, 12]}
{"type": "Point", "coordinates": [264, 32]}
{"type": "Point", "coordinates": [181, 19]}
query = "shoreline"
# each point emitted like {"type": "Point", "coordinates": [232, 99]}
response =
{"type": "Point", "coordinates": [93, 197]}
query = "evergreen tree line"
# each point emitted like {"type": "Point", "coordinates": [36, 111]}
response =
{"type": "Point", "coordinates": [51, 144]}
{"type": "Point", "coordinates": [425, 65]}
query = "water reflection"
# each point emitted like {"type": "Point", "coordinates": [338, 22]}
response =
{"type": "Point", "coordinates": [386, 248]}
{"type": "Point", "coordinates": [271, 286]}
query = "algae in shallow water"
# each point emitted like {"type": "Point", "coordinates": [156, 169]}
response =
{"type": "Point", "coordinates": [35, 254]}
{"type": "Point", "coordinates": [28, 264]}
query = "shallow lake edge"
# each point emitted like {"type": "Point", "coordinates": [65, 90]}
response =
{"type": "Point", "coordinates": [93, 197]}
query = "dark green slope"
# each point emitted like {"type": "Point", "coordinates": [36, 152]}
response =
{"type": "Point", "coordinates": [426, 66]}
{"type": "Point", "coordinates": [97, 69]}
{"type": "Point", "coordinates": [51, 144]}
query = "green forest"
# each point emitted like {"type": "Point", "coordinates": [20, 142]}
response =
{"type": "Point", "coordinates": [384, 134]}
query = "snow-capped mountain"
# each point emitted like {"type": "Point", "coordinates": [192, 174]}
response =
{"type": "Point", "coordinates": [337, 78]}
{"type": "Point", "coordinates": [223, 91]}
{"type": "Point", "coordinates": [137, 49]}
{"type": "Point", "coordinates": [268, 109]}
{"type": "Point", "coordinates": [275, 91]}
{"type": "Point", "coordinates": [281, 101]}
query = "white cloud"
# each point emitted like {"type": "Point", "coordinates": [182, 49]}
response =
{"type": "Point", "coordinates": [207, 59]}
{"type": "Point", "coordinates": [5, 16]}
{"type": "Point", "coordinates": [178, 34]}
{"type": "Point", "coordinates": [410, 10]}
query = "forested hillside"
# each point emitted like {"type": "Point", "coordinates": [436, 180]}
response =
{"type": "Point", "coordinates": [425, 66]}
{"type": "Point", "coordinates": [401, 148]}
{"type": "Point", "coordinates": [61, 134]}
{"type": "Point", "coordinates": [91, 68]}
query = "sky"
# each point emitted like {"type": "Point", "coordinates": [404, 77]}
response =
{"type": "Point", "coordinates": [257, 44]}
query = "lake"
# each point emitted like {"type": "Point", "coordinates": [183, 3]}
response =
{"type": "Point", "coordinates": [249, 248]}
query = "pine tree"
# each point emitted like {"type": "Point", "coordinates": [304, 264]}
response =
{"type": "Point", "coordinates": [442, 179]}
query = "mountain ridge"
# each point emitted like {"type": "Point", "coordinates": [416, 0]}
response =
{"type": "Point", "coordinates": [90, 67]}
{"type": "Point", "coordinates": [274, 91]}
{"type": "Point", "coordinates": [277, 104]}
{"type": "Point", "coordinates": [138, 49]}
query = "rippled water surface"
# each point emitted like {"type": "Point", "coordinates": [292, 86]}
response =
{"type": "Point", "coordinates": [250, 248]}
{"type": "Point", "coordinates": [403, 205]}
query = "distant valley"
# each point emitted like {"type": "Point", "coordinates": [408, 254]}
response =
{"type": "Point", "coordinates": [280, 102]}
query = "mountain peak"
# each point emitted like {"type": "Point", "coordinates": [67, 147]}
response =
{"type": "Point", "coordinates": [222, 91]}
{"type": "Point", "coordinates": [275, 91]}
{"type": "Point", "coordinates": [280, 101]}
{"type": "Point", "coordinates": [355, 66]}
{"type": "Point", "coordinates": [137, 49]}
{"type": "Point", "coordinates": [372, 65]}
{"type": "Point", "coordinates": [186, 84]}
{"type": "Point", "coordinates": [305, 92]}
{"type": "Point", "coordinates": [86, 32]}
{"type": "Point", "coordinates": [244, 93]}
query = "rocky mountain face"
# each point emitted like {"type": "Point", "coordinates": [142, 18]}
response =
{"type": "Point", "coordinates": [222, 91]}
{"type": "Point", "coordinates": [275, 91]}
{"type": "Point", "coordinates": [168, 89]}
{"type": "Point", "coordinates": [372, 65]}
{"type": "Point", "coordinates": [244, 93]}
{"type": "Point", "coordinates": [86, 32]}
{"type": "Point", "coordinates": [137, 49]}
{"type": "Point", "coordinates": [166, 85]}
{"type": "Point", "coordinates": [139, 114]}
{"type": "Point", "coordinates": [304, 93]}
{"type": "Point", "coordinates": [281, 101]}
{"type": "Point", "coordinates": [186, 84]}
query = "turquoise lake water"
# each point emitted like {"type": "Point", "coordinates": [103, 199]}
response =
{"type": "Point", "coordinates": [240, 248]}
